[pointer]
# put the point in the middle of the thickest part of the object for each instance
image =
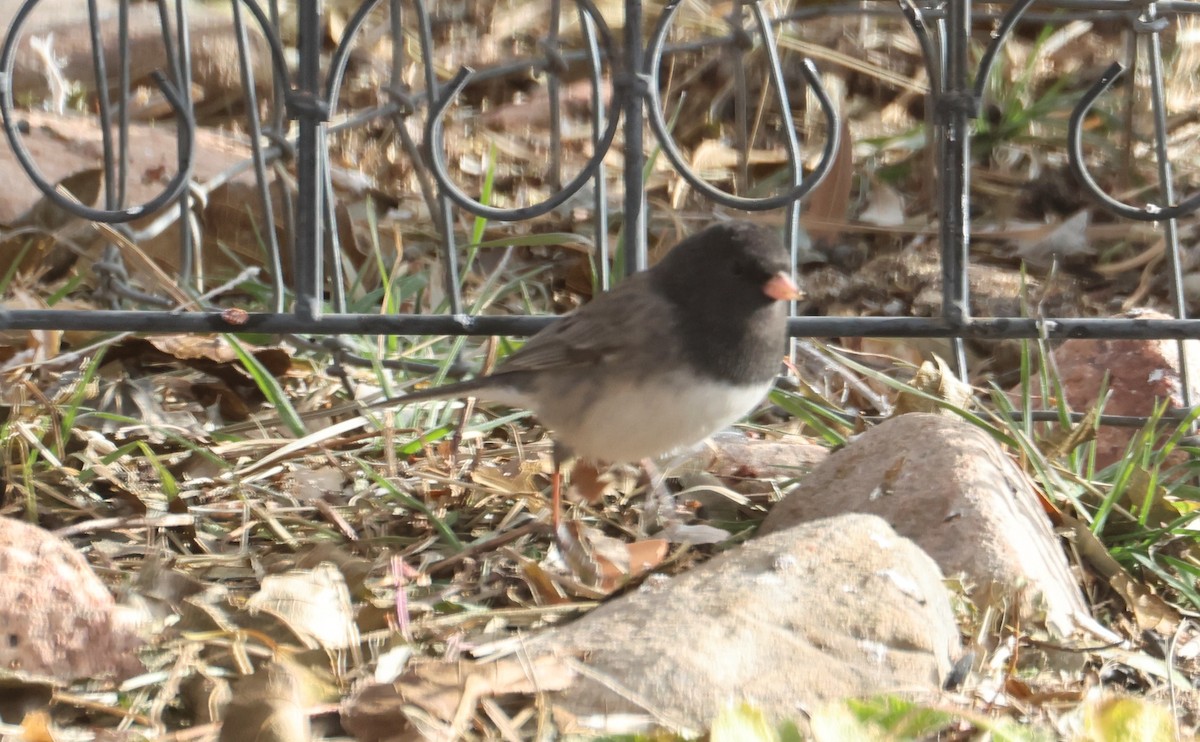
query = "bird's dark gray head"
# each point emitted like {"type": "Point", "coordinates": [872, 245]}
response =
{"type": "Point", "coordinates": [729, 261]}
{"type": "Point", "coordinates": [730, 281]}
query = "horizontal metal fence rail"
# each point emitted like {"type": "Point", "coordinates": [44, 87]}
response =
{"type": "Point", "coordinates": [629, 63]}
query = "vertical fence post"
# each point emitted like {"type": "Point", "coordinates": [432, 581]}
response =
{"type": "Point", "coordinates": [1152, 26]}
{"type": "Point", "coordinates": [635, 157]}
{"type": "Point", "coordinates": [599, 118]}
{"type": "Point", "coordinates": [954, 108]}
{"type": "Point", "coordinates": [310, 118]}
{"type": "Point", "coordinates": [444, 212]}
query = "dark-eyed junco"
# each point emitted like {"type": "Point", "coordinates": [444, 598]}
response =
{"type": "Point", "coordinates": [668, 357]}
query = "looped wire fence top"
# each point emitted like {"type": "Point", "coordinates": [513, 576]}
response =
{"type": "Point", "coordinates": [252, 187]}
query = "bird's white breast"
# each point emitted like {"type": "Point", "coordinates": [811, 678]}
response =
{"type": "Point", "coordinates": [640, 419]}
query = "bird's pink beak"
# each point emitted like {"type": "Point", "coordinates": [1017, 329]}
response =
{"type": "Point", "coordinates": [781, 287]}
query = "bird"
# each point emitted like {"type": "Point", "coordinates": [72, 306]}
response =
{"type": "Point", "coordinates": [668, 357]}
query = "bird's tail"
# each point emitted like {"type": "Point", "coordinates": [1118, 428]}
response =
{"type": "Point", "coordinates": [466, 388]}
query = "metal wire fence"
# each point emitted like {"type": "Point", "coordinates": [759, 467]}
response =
{"type": "Point", "coordinates": [291, 98]}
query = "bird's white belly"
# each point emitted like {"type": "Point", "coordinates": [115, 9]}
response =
{"type": "Point", "coordinates": [643, 420]}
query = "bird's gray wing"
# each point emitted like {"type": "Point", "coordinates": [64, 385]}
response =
{"type": "Point", "coordinates": [630, 320]}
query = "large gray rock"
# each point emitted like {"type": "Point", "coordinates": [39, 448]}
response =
{"type": "Point", "coordinates": [949, 487]}
{"type": "Point", "coordinates": [834, 609]}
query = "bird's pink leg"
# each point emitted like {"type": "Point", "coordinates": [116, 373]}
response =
{"type": "Point", "coordinates": [556, 499]}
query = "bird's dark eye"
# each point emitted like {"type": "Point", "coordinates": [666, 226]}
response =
{"type": "Point", "coordinates": [744, 269]}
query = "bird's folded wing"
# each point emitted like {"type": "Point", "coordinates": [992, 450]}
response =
{"type": "Point", "coordinates": [607, 330]}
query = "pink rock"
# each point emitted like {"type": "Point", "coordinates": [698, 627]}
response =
{"type": "Point", "coordinates": [1141, 373]}
{"type": "Point", "coordinates": [57, 619]}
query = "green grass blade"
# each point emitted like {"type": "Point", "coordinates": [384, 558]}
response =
{"type": "Point", "coordinates": [269, 386]}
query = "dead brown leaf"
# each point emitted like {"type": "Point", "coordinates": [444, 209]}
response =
{"type": "Point", "coordinates": [543, 586]}
{"type": "Point", "coordinates": [313, 603]}
{"type": "Point", "coordinates": [1063, 441]}
{"type": "Point", "coordinates": [825, 210]}
{"type": "Point", "coordinates": [715, 160]}
{"type": "Point", "coordinates": [268, 706]}
{"type": "Point", "coordinates": [590, 483]}
{"type": "Point", "coordinates": [446, 689]}
{"type": "Point", "coordinates": [47, 238]}
{"type": "Point", "coordinates": [885, 206]}
{"type": "Point", "coordinates": [1149, 610]}
{"type": "Point", "coordinates": [36, 727]}
{"type": "Point", "coordinates": [1065, 240]}
{"type": "Point", "coordinates": [608, 563]}
{"type": "Point", "coordinates": [935, 379]}
{"type": "Point", "coordinates": [211, 355]}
